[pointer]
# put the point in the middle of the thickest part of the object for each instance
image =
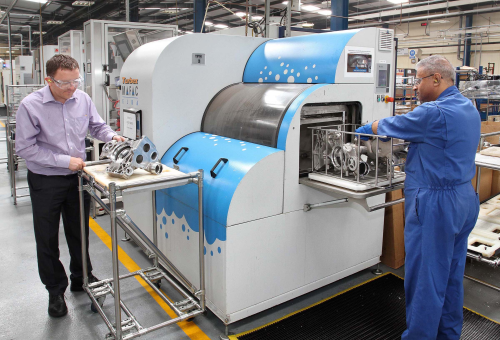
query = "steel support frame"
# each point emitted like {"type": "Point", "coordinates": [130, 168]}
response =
{"type": "Point", "coordinates": [467, 41]}
{"type": "Point", "coordinates": [185, 309]}
{"type": "Point", "coordinates": [340, 14]}
{"type": "Point", "coordinates": [199, 15]}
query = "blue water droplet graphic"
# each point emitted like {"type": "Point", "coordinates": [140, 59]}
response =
{"type": "Point", "coordinates": [173, 221]}
{"type": "Point", "coordinates": [166, 235]}
{"type": "Point", "coordinates": [219, 250]}
{"type": "Point", "coordinates": [161, 226]}
{"type": "Point", "coordinates": [183, 227]}
{"type": "Point", "coordinates": [211, 253]}
{"type": "Point", "coordinates": [204, 250]}
{"type": "Point", "coordinates": [164, 220]}
{"type": "Point", "coordinates": [188, 238]}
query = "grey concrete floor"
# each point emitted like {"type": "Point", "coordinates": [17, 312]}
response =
{"type": "Point", "coordinates": [23, 303]}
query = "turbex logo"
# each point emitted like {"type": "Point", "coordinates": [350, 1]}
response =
{"type": "Point", "coordinates": [129, 81]}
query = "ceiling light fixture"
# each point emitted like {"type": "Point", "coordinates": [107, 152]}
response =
{"type": "Point", "coordinates": [240, 14]}
{"type": "Point", "coordinates": [325, 12]}
{"type": "Point", "coordinates": [208, 23]}
{"type": "Point", "coordinates": [307, 25]}
{"type": "Point", "coordinates": [38, 32]}
{"type": "Point", "coordinates": [221, 26]}
{"type": "Point", "coordinates": [172, 10]}
{"type": "Point", "coordinates": [55, 22]}
{"type": "Point", "coordinates": [40, 1]}
{"type": "Point", "coordinates": [256, 17]}
{"type": "Point", "coordinates": [398, 1]}
{"type": "Point", "coordinates": [83, 3]}
{"type": "Point", "coordinates": [442, 21]}
{"type": "Point", "coordinates": [310, 8]}
{"type": "Point", "coordinates": [151, 8]}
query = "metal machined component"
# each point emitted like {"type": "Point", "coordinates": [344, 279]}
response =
{"type": "Point", "coordinates": [337, 153]}
{"type": "Point", "coordinates": [129, 155]}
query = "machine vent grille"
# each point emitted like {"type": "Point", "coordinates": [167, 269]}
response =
{"type": "Point", "coordinates": [385, 38]}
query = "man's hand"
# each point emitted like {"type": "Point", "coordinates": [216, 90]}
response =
{"type": "Point", "coordinates": [365, 129]}
{"type": "Point", "coordinates": [76, 164]}
{"type": "Point", "coordinates": [119, 138]}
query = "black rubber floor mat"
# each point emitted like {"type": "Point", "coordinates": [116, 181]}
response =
{"type": "Point", "coordinates": [372, 310]}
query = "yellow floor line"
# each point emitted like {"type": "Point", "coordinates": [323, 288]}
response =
{"type": "Point", "coordinates": [2, 124]}
{"type": "Point", "coordinates": [190, 328]}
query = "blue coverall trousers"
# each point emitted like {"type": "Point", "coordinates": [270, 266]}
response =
{"type": "Point", "coordinates": [438, 222]}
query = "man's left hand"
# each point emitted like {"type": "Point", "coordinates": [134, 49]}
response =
{"type": "Point", "coordinates": [119, 138]}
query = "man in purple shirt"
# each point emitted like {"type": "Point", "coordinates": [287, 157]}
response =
{"type": "Point", "coordinates": [51, 125]}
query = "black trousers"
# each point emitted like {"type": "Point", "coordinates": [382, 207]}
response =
{"type": "Point", "coordinates": [52, 196]}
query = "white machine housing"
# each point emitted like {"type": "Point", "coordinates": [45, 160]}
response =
{"type": "Point", "coordinates": [24, 70]}
{"type": "Point", "coordinates": [71, 43]}
{"type": "Point", "coordinates": [266, 249]}
{"type": "Point", "coordinates": [103, 62]}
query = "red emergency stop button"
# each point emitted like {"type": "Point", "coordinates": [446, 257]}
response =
{"type": "Point", "coordinates": [389, 99]}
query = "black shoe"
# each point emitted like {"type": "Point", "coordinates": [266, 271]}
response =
{"type": "Point", "coordinates": [57, 306]}
{"type": "Point", "coordinates": [77, 284]}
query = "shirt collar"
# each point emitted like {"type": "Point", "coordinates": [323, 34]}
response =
{"type": "Point", "coordinates": [48, 97]}
{"type": "Point", "coordinates": [449, 91]}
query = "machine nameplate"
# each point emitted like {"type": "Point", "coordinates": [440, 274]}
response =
{"type": "Point", "coordinates": [198, 58]}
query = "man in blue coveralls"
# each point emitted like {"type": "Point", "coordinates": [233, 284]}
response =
{"type": "Point", "coordinates": [441, 206]}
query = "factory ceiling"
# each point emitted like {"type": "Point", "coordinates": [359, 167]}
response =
{"type": "Point", "coordinates": [68, 16]}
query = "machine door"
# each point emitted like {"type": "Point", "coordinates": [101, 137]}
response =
{"type": "Point", "coordinates": [250, 112]}
{"type": "Point", "coordinates": [225, 162]}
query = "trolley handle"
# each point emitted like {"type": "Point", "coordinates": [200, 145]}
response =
{"type": "Point", "coordinates": [177, 154]}
{"type": "Point", "coordinates": [212, 173]}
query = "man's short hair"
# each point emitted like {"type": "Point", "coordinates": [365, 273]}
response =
{"type": "Point", "coordinates": [437, 64]}
{"type": "Point", "coordinates": [60, 61]}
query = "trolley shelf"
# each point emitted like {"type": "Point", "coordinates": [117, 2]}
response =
{"type": "Point", "coordinates": [190, 306]}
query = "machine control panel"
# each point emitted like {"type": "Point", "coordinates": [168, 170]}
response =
{"type": "Point", "coordinates": [383, 77]}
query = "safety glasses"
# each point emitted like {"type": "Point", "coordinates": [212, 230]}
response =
{"type": "Point", "coordinates": [65, 85]}
{"type": "Point", "coordinates": [419, 80]}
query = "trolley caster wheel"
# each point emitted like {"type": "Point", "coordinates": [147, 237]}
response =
{"type": "Point", "coordinates": [100, 301]}
{"type": "Point", "coordinates": [157, 284]}
{"type": "Point", "coordinates": [190, 319]}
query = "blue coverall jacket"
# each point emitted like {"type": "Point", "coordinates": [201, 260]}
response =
{"type": "Point", "coordinates": [441, 209]}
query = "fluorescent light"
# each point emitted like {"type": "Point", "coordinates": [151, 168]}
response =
{"type": "Point", "coordinates": [307, 25]}
{"type": "Point", "coordinates": [398, 1]}
{"type": "Point", "coordinates": [151, 8]}
{"type": "Point", "coordinates": [240, 14]}
{"type": "Point", "coordinates": [221, 26]}
{"type": "Point", "coordinates": [325, 12]}
{"type": "Point", "coordinates": [40, 1]}
{"type": "Point", "coordinates": [55, 22]}
{"type": "Point", "coordinates": [38, 32]}
{"type": "Point", "coordinates": [83, 3]}
{"type": "Point", "coordinates": [256, 17]}
{"type": "Point", "coordinates": [189, 32]}
{"type": "Point", "coordinates": [172, 10]}
{"type": "Point", "coordinates": [208, 23]}
{"type": "Point", "coordinates": [310, 8]}
{"type": "Point", "coordinates": [442, 21]}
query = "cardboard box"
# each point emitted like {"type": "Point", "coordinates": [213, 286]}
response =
{"type": "Point", "coordinates": [393, 246]}
{"type": "Point", "coordinates": [485, 185]}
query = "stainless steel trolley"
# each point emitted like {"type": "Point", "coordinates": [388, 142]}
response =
{"type": "Point", "coordinates": [15, 94]}
{"type": "Point", "coordinates": [187, 308]}
{"type": "Point", "coordinates": [493, 163]}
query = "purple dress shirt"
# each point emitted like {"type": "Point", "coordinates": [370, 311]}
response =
{"type": "Point", "coordinates": [49, 133]}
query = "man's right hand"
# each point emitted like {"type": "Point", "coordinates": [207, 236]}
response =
{"type": "Point", "coordinates": [76, 164]}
